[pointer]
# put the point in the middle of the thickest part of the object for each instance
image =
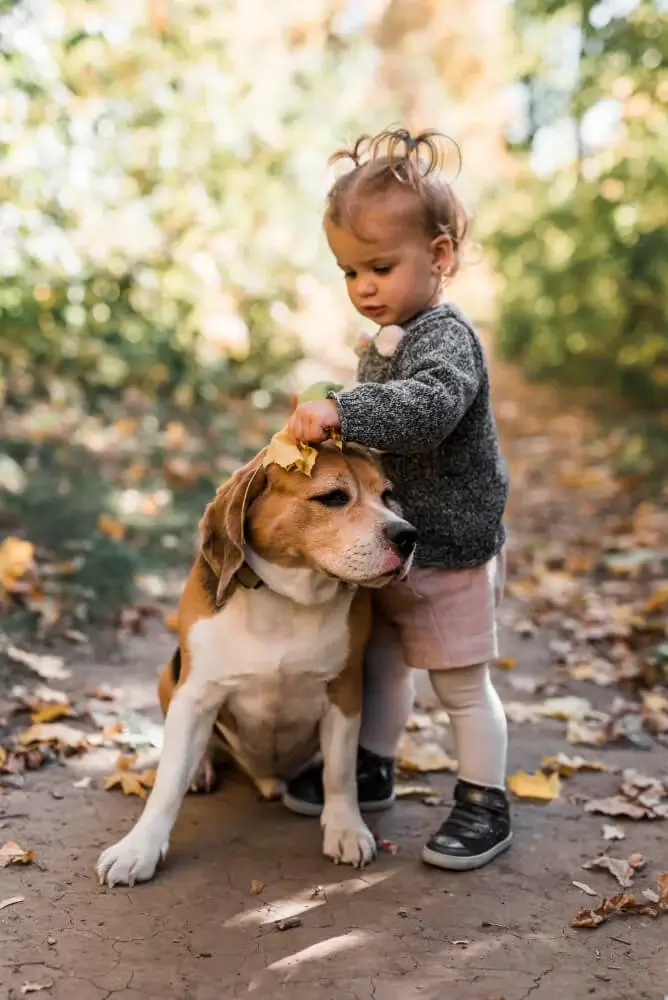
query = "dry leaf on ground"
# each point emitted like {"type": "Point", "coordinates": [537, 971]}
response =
{"type": "Point", "coordinates": [35, 987]}
{"type": "Point", "coordinates": [579, 733]}
{"type": "Point", "coordinates": [585, 888]}
{"type": "Point", "coordinates": [624, 902]}
{"type": "Point", "coordinates": [539, 787]}
{"type": "Point", "coordinates": [131, 782]}
{"type": "Point", "coordinates": [505, 662]}
{"type": "Point", "coordinates": [49, 668]}
{"type": "Point", "coordinates": [388, 846]}
{"type": "Point", "coordinates": [283, 451]}
{"type": "Point", "coordinates": [51, 712]}
{"type": "Point", "coordinates": [621, 869]}
{"type": "Point", "coordinates": [413, 791]}
{"type": "Point", "coordinates": [12, 854]}
{"type": "Point", "coordinates": [640, 797]}
{"type": "Point", "coordinates": [256, 886]}
{"type": "Point", "coordinates": [566, 766]}
{"type": "Point", "coordinates": [57, 734]}
{"type": "Point", "coordinates": [10, 901]}
{"type": "Point", "coordinates": [423, 757]}
{"type": "Point", "coordinates": [612, 831]}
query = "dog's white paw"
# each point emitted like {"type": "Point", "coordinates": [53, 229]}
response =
{"type": "Point", "coordinates": [346, 838]}
{"type": "Point", "coordinates": [133, 859]}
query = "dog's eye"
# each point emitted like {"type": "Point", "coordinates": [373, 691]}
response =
{"type": "Point", "coordinates": [336, 498]}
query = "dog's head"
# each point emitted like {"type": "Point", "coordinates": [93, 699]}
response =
{"type": "Point", "coordinates": [341, 521]}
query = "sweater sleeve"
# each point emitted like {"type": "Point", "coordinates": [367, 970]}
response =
{"type": "Point", "coordinates": [439, 377]}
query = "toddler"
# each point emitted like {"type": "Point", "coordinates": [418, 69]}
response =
{"type": "Point", "coordinates": [396, 229]}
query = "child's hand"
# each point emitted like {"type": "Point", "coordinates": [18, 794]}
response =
{"type": "Point", "coordinates": [312, 422]}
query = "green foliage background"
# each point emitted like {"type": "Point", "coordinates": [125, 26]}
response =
{"type": "Point", "coordinates": [583, 251]}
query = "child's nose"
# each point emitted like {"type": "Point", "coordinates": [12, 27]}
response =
{"type": "Point", "coordinates": [367, 285]}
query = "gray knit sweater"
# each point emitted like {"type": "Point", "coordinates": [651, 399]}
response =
{"type": "Point", "coordinates": [428, 408]}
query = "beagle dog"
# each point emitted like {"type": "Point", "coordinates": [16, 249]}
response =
{"type": "Point", "coordinates": [273, 624]}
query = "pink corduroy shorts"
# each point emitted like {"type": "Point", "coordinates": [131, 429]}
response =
{"type": "Point", "coordinates": [437, 619]}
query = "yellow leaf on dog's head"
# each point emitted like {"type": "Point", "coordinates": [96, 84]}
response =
{"type": "Point", "coordinates": [290, 455]}
{"type": "Point", "coordinates": [540, 787]}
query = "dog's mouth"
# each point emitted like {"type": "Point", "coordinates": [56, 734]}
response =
{"type": "Point", "coordinates": [399, 572]}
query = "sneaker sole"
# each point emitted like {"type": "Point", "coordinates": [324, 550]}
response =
{"type": "Point", "coordinates": [308, 809]}
{"type": "Point", "coordinates": [454, 864]}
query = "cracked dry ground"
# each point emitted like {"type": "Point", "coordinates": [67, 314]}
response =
{"type": "Point", "coordinates": [397, 930]}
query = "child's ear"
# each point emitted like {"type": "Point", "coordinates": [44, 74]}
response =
{"type": "Point", "coordinates": [442, 255]}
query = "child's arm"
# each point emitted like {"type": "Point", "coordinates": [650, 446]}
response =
{"type": "Point", "coordinates": [440, 378]}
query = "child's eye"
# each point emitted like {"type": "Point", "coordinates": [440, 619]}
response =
{"type": "Point", "coordinates": [348, 274]}
{"type": "Point", "coordinates": [383, 268]}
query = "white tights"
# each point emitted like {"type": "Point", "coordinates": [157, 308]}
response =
{"type": "Point", "coordinates": [476, 714]}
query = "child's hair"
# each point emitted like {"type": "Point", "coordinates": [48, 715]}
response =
{"type": "Point", "coordinates": [395, 157]}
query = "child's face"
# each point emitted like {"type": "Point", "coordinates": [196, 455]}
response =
{"type": "Point", "coordinates": [395, 271]}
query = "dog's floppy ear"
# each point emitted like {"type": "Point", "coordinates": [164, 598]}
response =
{"type": "Point", "coordinates": [222, 526]}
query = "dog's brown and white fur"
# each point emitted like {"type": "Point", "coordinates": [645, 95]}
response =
{"type": "Point", "coordinates": [275, 665]}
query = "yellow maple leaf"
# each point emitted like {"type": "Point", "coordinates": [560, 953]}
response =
{"type": "Point", "coordinates": [130, 782]}
{"type": "Point", "coordinates": [289, 454]}
{"type": "Point", "coordinates": [3, 756]}
{"type": "Point", "coordinates": [12, 854]}
{"type": "Point", "coordinates": [540, 787]}
{"type": "Point", "coordinates": [16, 558]}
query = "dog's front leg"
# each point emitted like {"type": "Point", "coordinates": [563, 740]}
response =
{"type": "Point", "coordinates": [346, 837]}
{"type": "Point", "coordinates": [190, 718]}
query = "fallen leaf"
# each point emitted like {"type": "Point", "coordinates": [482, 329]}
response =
{"type": "Point", "coordinates": [417, 721]}
{"type": "Point", "coordinates": [82, 782]}
{"type": "Point", "coordinates": [412, 791]}
{"type": "Point", "coordinates": [585, 888]}
{"type": "Point", "coordinates": [10, 901]}
{"type": "Point", "coordinates": [288, 924]}
{"type": "Point", "coordinates": [16, 559]}
{"type": "Point", "coordinates": [130, 782]}
{"type": "Point", "coordinates": [110, 527]}
{"type": "Point", "coordinates": [540, 787]}
{"type": "Point", "coordinates": [624, 902]}
{"type": "Point", "coordinates": [103, 692]}
{"type": "Point", "coordinates": [613, 832]}
{"type": "Point", "coordinates": [283, 451]}
{"type": "Point", "coordinates": [423, 757]}
{"type": "Point", "coordinates": [256, 887]}
{"type": "Point", "coordinates": [12, 854]}
{"type": "Point", "coordinates": [617, 805]}
{"type": "Point", "coordinates": [3, 756]}
{"type": "Point", "coordinates": [35, 987]}
{"type": "Point", "coordinates": [49, 668]}
{"type": "Point", "coordinates": [579, 733]}
{"type": "Point", "coordinates": [51, 712]}
{"type": "Point", "coordinates": [519, 712]}
{"type": "Point", "coordinates": [569, 708]}
{"type": "Point", "coordinates": [658, 601]}
{"type": "Point", "coordinates": [619, 868]}
{"type": "Point", "coordinates": [57, 734]}
{"type": "Point", "coordinates": [566, 766]}
{"type": "Point", "coordinates": [125, 761]}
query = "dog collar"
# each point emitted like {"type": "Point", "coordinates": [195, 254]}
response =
{"type": "Point", "coordinates": [248, 578]}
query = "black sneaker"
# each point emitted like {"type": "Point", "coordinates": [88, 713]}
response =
{"type": "Point", "coordinates": [477, 829]}
{"type": "Point", "coordinates": [375, 786]}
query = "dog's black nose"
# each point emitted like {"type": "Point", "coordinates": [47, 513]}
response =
{"type": "Point", "coordinates": [403, 536]}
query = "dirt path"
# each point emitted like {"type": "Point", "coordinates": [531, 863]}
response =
{"type": "Point", "coordinates": [396, 931]}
